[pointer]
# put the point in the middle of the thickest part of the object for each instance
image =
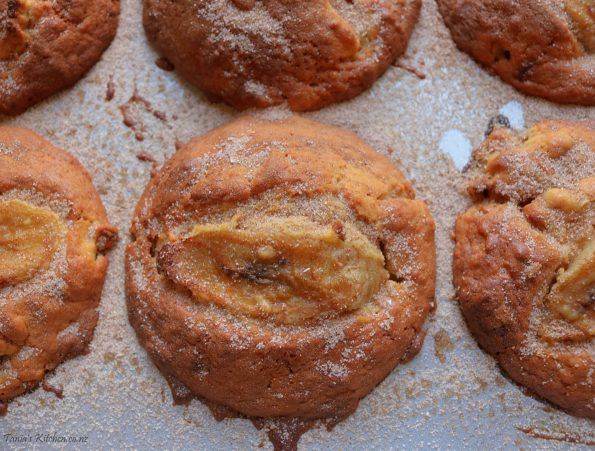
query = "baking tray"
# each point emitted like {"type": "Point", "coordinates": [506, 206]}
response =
{"type": "Point", "coordinates": [426, 114]}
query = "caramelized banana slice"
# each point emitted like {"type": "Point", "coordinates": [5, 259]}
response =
{"type": "Point", "coordinates": [29, 238]}
{"type": "Point", "coordinates": [582, 13]}
{"type": "Point", "coordinates": [289, 269]}
{"type": "Point", "coordinates": [573, 294]}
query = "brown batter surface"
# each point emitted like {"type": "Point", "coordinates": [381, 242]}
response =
{"type": "Point", "coordinates": [543, 48]}
{"type": "Point", "coordinates": [281, 269]}
{"type": "Point", "coordinates": [524, 260]}
{"type": "Point", "coordinates": [46, 46]}
{"type": "Point", "coordinates": [53, 236]}
{"type": "Point", "coordinates": [260, 53]}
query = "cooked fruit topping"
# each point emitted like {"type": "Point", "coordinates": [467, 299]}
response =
{"type": "Point", "coordinates": [289, 269]}
{"type": "Point", "coordinates": [29, 238]}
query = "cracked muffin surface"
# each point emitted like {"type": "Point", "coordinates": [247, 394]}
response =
{"type": "Point", "coordinates": [53, 236]}
{"type": "Point", "coordinates": [280, 269]}
{"type": "Point", "coordinates": [543, 48]}
{"type": "Point", "coordinates": [48, 45]}
{"type": "Point", "coordinates": [524, 260]}
{"type": "Point", "coordinates": [251, 53]}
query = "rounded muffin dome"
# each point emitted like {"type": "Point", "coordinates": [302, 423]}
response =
{"type": "Point", "coordinates": [261, 53]}
{"type": "Point", "coordinates": [280, 269]}
{"type": "Point", "coordinates": [46, 46]}
{"type": "Point", "coordinates": [542, 48]}
{"type": "Point", "coordinates": [53, 237]}
{"type": "Point", "coordinates": [524, 260]}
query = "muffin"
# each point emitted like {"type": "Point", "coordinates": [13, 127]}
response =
{"type": "Point", "coordinates": [46, 46]}
{"type": "Point", "coordinates": [280, 269]}
{"type": "Point", "coordinates": [258, 54]}
{"type": "Point", "coordinates": [543, 48]}
{"type": "Point", "coordinates": [53, 236]}
{"type": "Point", "coordinates": [524, 259]}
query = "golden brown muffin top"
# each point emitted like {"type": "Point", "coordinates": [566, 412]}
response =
{"type": "Point", "coordinates": [280, 269]}
{"type": "Point", "coordinates": [519, 167]}
{"type": "Point", "coordinates": [46, 46]}
{"type": "Point", "coordinates": [524, 261]}
{"type": "Point", "coordinates": [53, 237]}
{"type": "Point", "coordinates": [258, 54]}
{"type": "Point", "coordinates": [254, 219]}
{"type": "Point", "coordinates": [543, 48]}
{"type": "Point", "coordinates": [549, 172]}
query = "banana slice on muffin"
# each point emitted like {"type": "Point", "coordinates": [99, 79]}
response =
{"type": "Point", "coordinates": [542, 48]}
{"type": "Point", "coordinates": [53, 236]}
{"type": "Point", "coordinates": [524, 261]}
{"type": "Point", "coordinates": [280, 269]}
{"type": "Point", "coordinates": [46, 46]}
{"type": "Point", "coordinates": [258, 54]}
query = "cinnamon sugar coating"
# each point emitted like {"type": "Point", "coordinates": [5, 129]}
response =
{"type": "Point", "coordinates": [543, 48]}
{"type": "Point", "coordinates": [46, 46]}
{"type": "Point", "coordinates": [53, 236]}
{"type": "Point", "coordinates": [524, 259]}
{"type": "Point", "coordinates": [258, 54]}
{"type": "Point", "coordinates": [289, 326]}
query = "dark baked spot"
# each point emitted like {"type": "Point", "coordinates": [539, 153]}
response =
{"type": "Point", "coordinates": [496, 122]}
{"type": "Point", "coordinates": [566, 438]}
{"type": "Point", "coordinates": [339, 229]}
{"type": "Point", "coordinates": [135, 112]}
{"type": "Point", "coordinates": [58, 391]}
{"type": "Point", "coordinates": [259, 273]}
{"type": "Point", "coordinates": [164, 64]}
{"type": "Point", "coordinates": [419, 74]}
{"type": "Point", "coordinates": [12, 8]}
{"type": "Point", "coordinates": [502, 54]}
{"type": "Point", "coordinates": [525, 70]}
{"type": "Point", "coordinates": [144, 156]}
{"type": "Point", "coordinates": [107, 237]}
